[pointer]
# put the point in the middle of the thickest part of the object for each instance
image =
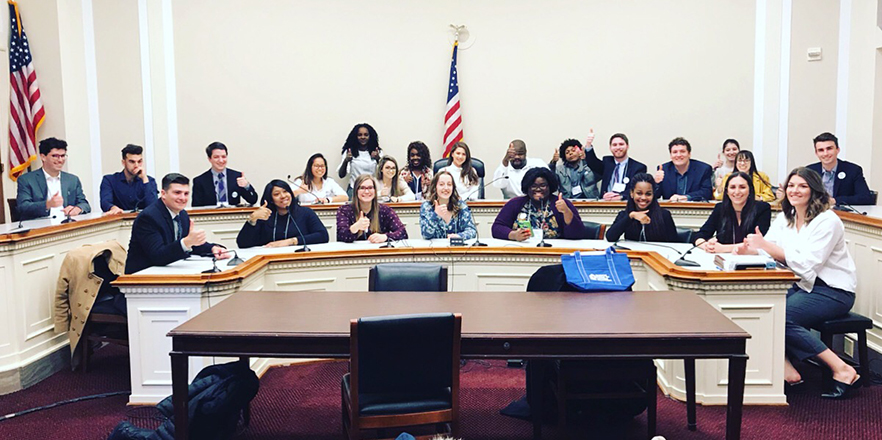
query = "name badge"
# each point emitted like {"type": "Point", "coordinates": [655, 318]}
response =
{"type": "Point", "coordinates": [618, 187]}
{"type": "Point", "coordinates": [577, 190]}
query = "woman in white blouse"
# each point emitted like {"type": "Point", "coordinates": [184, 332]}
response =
{"type": "Point", "coordinates": [459, 165]}
{"type": "Point", "coordinates": [315, 187]}
{"type": "Point", "coordinates": [390, 186]}
{"type": "Point", "coordinates": [809, 238]}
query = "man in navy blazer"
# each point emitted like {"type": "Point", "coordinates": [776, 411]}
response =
{"type": "Point", "coordinates": [684, 179]}
{"type": "Point", "coordinates": [844, 180]}
{"type": "Point", "coordinates": [617, 170]}
{"type": "Point", "coordinates": [48, 190]}
{"type": "Point", "coordinates": [221, 185]}
{"type": "Point", "coordinates": [163, 232]}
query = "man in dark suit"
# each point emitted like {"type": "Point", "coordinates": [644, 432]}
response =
{"type": "Point", "coordinates": [221, 185]}
{"type": "Point", "coordinates": [617, 170]}
{"type": "Point", "coordinates": [50, 191]}
{"type": "Point", "coordinates": [844, 180]}
{"type": "Point", "coordinates": [163, 232]}
{"type": "Point", "coordinates": [684, 179]}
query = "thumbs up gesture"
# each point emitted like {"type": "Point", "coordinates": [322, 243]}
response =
{"type": "Point", "coordinates": [55, 201]}
{"type": "Point", "coordinates": [242, 181]}
{"type": "Point", "coordinates": [590, 140]}
{"type": "Point", "coordinates": [362, 224]}
{"type": "Point", "coordinates": [659, 174]}
{"type": "Point", "coordinates": [441, 210]}
{"type": "Point", "coordinates": [563, 208]}
{"type": "Point", "coordinates": [261, 213]}
{"type": "Point", "coordinates": [196, 237]}
{"type": "Point", "coordinates": [755, 241]}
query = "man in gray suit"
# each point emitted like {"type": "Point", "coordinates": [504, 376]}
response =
{"type": "Point", "coordinates": [50, 191]}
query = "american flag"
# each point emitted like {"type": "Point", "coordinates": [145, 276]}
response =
{"type": "Point", "coordinates": [26, 112]}
{"type": "Point", "coordinates": [453, 117]}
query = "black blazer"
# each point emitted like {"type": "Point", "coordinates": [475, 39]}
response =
{"type": "Point", "coordinates": [699, 180]}
{"type": "Point", "coordinates": [311, 228]}
{"type": "Point", "coordinates": [205, 195]}
{"type": "Point", "coordinates": [851, 188]}
{"type": "Point", "coordinates": [607, 166]}
{"type": "Point", "coordinates": [153, 239]}
{"type": "Point", "coordinates": [714, 224]}
{"type": "Point", "coordinates": [624, 224]}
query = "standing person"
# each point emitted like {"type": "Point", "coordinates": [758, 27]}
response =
{"type": "Point", "coordinates": [317, 187]}
{"type": "Point", "coordinates": [810, 239]}
{"type": "Point", "coordinates": [739, 215]}
{"type": "Point", "coordinates": [365, 218]}
{"type": "Point", "coordinates": [725, 164]}
{"type": "Point", "coordinates": [555, 216]}
{"type": "Point", "coordinates": [221, 186]}
{"type": "Point", "coordinates": [843, 180]}
{"type": "Point", "coordinates": [683, 178]}
{"type": "Point", "coordinates": [280, 221]}
{"type": "Point", "coordinates": [643, 219]}
{"type": "Point", "coordinates": [361, 152]}
{"type": "Point", "coordinates": [762, 187]}
{"type": "Point", "coordinates": [617, 169]}
{"type": "Point", "coordinates": [515, 165]}
{"type": "Point", "coordinates": [391, 187]}
{"type": "Point", "coordinates": [577, 180]}
{"type": "Point", "coordinates": [164, 233]}
{"type": "Point", "coordinates": [130, 188]}
{"type": "Point", "coordinates": [459, 165]}
{"type": "Point", "coordinates": [443, 214]}
{"type": "Point", "coordinates": [48, 190]}
{"type": "Point", "coordinates": [417, 173]}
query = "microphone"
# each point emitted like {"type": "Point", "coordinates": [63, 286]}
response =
{"type": "Point", "coordinates": [848, 208]}
{"type": "Point", "coordinates": [466, 198]}
{"type": "Point", "coordinates": [67, 219]}
{"type": "Point", "coordinates": [388, 243]}
{"type": "Point", "coordinates": [317, 198]}
{"type": "Point", "coordinates": [477, 234]}
{"type": "Point", "coordinates": [235, 261]}
{"type": "Point", "coordinates": [305, 248]}
{"type": "Point", "coordinates": [683, 262]}
{"type": "Point", "coordinates": [214, 268]}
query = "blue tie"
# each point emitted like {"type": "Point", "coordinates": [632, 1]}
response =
{"type": "Point", "coordinates": [221, 192]}
{"type": "Point", "coordinates": [179, 229]}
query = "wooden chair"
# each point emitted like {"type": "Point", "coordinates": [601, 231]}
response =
{"type": "Point", "coordinates": [398, 277]}
{"type": "Point", "coordinates": [404, 372]}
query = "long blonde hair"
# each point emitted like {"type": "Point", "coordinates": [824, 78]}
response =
{"type": "Point", "coordinates": [374, 213]}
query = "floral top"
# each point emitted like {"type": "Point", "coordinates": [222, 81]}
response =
{"type": "Point", "coordinates": [389, 224]}
{"type": "Point", "coordinates": [418, 185]}
{"type": "Point", "coordinates": [433, 226]}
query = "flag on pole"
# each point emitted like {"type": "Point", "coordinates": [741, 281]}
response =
{"type": "Point", "coordinates": [26, 112]}
{"type": "Point", "coordinates": [453, 117]}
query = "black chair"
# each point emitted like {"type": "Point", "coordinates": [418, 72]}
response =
{"type": "Point", "coordinates": [13, 209]}
{"type": "Point", "coordinates": [477, 164]}
{"type": "Point", "coordinates": [684, 235]}
{"type": "Point", "coordinates": [875, 196]}
{"type": "Point", "coordinates": [403, 371]}
{"type": "Point", "coordinates": [851, 323]}
{"type": "Point", "coordinates": [401, 277]}
{"type": "Point", "coordinates": [593, 230]}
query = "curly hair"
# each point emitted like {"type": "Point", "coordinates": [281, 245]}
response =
{"type": "Point", "coordinates": [453, 201]}
{"type": "Point", "coordinates": [423, 151]}
{"type": "Point", "coordinates": [534, 173]}
{"type": "Point", "coordinates": [562, 150]}
{"type": "Point", "coordinates": [352, 144]}
{"type": "Point", "coordinates": [819, 200]}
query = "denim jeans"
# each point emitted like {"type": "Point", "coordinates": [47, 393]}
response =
{"type": "Point", "coordinates": [805, 309]}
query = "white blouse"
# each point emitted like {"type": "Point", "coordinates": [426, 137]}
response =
{"type": "Point", "coordinates": [816, 251]}
{"type": "Point", "coordinates": [361, 164]}
{"type": "Point", "coordinates": [463, 189]}
{"type": "Point", "coordinates": [330, 188]}
{"type": "Point", "coordinates": [384, 193]}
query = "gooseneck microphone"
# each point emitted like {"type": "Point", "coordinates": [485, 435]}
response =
{"type": "Point", "coordinates": [214, 268]}
{"type": "Point", "coordinates": [683, 262]}
{"type": "Point", "coordinates": [305, 248]}
{"type": "Point", "coordinates": [317, 198]}
{"type": "Point", "coordinates": [466, 198]}
{"type": "Point", "coordinates": [848, 208]}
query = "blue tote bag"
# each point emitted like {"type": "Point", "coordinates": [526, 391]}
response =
{"type": "Point", "coordinates": [609, 271]}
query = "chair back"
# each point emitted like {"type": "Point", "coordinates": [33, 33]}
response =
{"type": "Point", "coordinates": [406, 356]}
{"type": "Point", "coordinates": [684, 235]}
{"type": "Point", "coordinates": [401, 277]}
{"type": "Point", "coordinates": [477, 164]}
{"type": "Point", "coordinates": [875, 196]}
{"type": "Point", "coordinates": [13, 209]}
{"type": "Point", "coordinates": [593, 230]}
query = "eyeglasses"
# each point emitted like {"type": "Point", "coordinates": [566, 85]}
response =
{"type": "Point", "coordinates": [743, 161]}
{"type": "Point", "coordinates": [318, 166]}
{"type": "Point", "coordinates": [365, 188]}
{"type": "Point", "coordinates": [58, 156]}
{"type": "Point", "coordinates": [539, 186]}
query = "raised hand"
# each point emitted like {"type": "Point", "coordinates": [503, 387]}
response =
{"type": "Point", "coordinates": [509, 154]}
{"type": "Point", "coordinates": [641, 216]}
{"type": "Point", "coordinates": [719, 161]}
{"type": "Point", "coordinates": [659, 174]}
{"type": "Point", "coordinates": [55, 201]}
{"type": "Point", "coordinates": [362, 224]}
{"type": "Point", "coordinates": [590, 140]}
{"type": "Point", "coordinates": [756, 240]}
{"type": "Point", "coordinates": [196, 237]}
{"type": "Point", "coordinates": [556, 156]}
{"type": "Point", "coordinates": [242, 181]}
{"type": "Point", "coordinates": [261, 213]}
{"type": "Point", "coordinates": [779, 193]}
{"type": "Point", "coordinates": [561, 205]}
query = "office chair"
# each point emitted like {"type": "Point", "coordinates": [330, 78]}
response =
{"type": "Point", "coordinates": [403, 277]}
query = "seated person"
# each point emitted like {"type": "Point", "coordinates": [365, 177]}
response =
{"type": "Point", "coordinates": [684, 179]}
{"type": "Point", "coordinates": [163, 232]}
{"type": "Point", "coordinates": [725, 164]}
{"type": "Point", "coordinates": [49, 191]}
{"type": "Point", "coordinates": [810, 239]}
{"type": "Point", "coordinates": [315, 187]}
{"type": "Point", "coordinates": [843, 180]}
{"type": "Point", "coordinates": [365, 218]}
{"type": "Point", "coordinates": [391, 187]}
{"type": "Point", "coordinates": [515, 164]}
{"type": "Point", "coordinates": [279, 221]}
{"type": "Point", "coordinates": [643, 219]}
{"type": "Point", "coordinates": [738, 215]}
{"type": "Point", "coordinates": [417, 173]}
{"type": "Point", "coordinates": [617, 170]}
{"type": "Point", "coordinates": [130, 188]}
{"type": "Point", "coordinates": [555, 216]}
{"type": "Point", "coordinates": [443, 214]}
{"type": "Point", "coordinates": [577, 181]}
{"type": "Point", "coordinates": [459, 165]}
{"type": "Point", "coordinates": [361, 152]}
{"type": "Point", "coordinates": [221, 186]}
{"type": "Point", "coordinates": [761, 184]}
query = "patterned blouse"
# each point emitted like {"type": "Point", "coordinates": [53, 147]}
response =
{"type": "Point", "coordinates": [389, 224]}
{"type": "Point", "coordinates": [433, 226]}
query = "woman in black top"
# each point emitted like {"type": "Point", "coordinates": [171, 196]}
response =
{"type": "Point", "coordinates": [281, 221]}
{"type": "Point", "coordinates": [736, 216]}
{"type": "Point", "coordinates": [643, 219]}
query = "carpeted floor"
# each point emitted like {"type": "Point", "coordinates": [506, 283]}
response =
{"type": "Point", "coordinates": [303, 402]}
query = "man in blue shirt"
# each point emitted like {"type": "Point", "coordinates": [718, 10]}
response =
{"type": "Point", "coordinates": [130, 188]}
{"type": "Point", "coordinates": [684, 179]}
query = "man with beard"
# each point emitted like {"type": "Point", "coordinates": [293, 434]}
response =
{"type": "Point", "coordinates": [417, 172]}
{"type": "Point", "coordinates": [617, 169]}
{"type": "Point", "coordinates": [514, 165]}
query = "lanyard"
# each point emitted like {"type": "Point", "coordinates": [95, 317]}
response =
{"type": "Point", "coordinates": [276, 221]}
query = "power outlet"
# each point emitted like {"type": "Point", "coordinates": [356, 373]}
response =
{"type": "Point", "coordinates": [848, 347]}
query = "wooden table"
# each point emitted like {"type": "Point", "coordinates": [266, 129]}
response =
{"type": "Point", "coordinates": [500, 325]}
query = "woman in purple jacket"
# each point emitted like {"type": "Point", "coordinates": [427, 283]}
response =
{"type": "Point", "coordinates": [366, 219]}
{"type": "Point", "coordinates": [554, 215]}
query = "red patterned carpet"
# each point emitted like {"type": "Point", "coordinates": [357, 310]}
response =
{"type": "Point", "coordinates": [303, 402]}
